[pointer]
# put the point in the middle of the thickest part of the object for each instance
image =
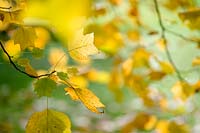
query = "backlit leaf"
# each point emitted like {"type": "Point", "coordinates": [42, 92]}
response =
{"type": "Point", "coordinates": [82, 46]}
{"type": "Point", "coordinates": [25, 36]}
{"type": "Point", "coordinates": [88, 98]}
{"type": "Point", "coordinates": [48, 121]}
{"type": "Point", "coordinates": [44, 87]}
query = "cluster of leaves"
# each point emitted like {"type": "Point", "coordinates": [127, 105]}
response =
{"type": "Point", "coordinates": [124, 33]}
{"type": "Point", "coordinates": [23, 37]}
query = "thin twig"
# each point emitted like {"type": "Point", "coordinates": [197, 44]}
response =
{"type": "Point", "coordinates": [18, 69]}
{"type": "Point", "coordinates": [163, 29]}
{"type": "Point", "coordinates": [181, 36]}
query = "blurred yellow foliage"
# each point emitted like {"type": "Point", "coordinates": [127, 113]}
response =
{"type": "Point", "coordinates": [65, 16]}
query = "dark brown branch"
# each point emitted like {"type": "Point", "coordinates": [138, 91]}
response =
{"type": "Point", "coordinates": [18, 69]}
{"type": "Point", "coordinates": [163, 29]}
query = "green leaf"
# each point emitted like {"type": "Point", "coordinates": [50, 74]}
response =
{"type": "Point", "coordinates": [37, 52]}
{"type": "Point", "coordinates": [48, 121]}
{"type": "Point", "coordinates": [25, 36]}
{"type": "Point", "coordinates": [44, 87]}
{"type": "Point", "coordinates": [62, 75]}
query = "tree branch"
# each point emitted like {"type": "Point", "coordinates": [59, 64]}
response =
{"type": "Point", "coordinates": [163, 30]}
{"type": "Point", "coordinates": [181, 36]}
{"type": "Point", "coordinates": [18, 69]}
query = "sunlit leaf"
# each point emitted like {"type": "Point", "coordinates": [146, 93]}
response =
{"type": "Point", "coordinates": [82, 46]}
{"type": "Point", "coordinates": [48, 121]}
{"type": "Point", "coordinates": [12, 49]}
{"type": "Point", "coordinates": [44, 87]}
{"type": "Point", "coordinates": [88, 98]}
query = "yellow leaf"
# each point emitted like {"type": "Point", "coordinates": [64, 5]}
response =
{"type": "Point", "coordinates": [10, 15]}
{"type": "Point", "coordinates": [48, 121]}
{"type": "Point", "coordinates": [89, 99]}
{"type": "Point", "coordinates": [162, 126]}
{"type": "Point", "coordinates": [78, 81]}
{"type": "Point", "coordinates": [25, 36]}
{"type": "Point", "coordinates": [166, 67]}
{"type": "Point", "coordinates": [12, 49]}
{"type": "Point", "coordinates": [141, 58]}
{"type": "Point", "coordinates": [82, 46]}
{"type": "Point", "coordinates": [161, 44]}
{"type": "Point", "coordinates": [127, 67]}
{"type": "Point", "coordinates": [28, 68]}
{"type": "Point", "coordinates": [182, 90]}
{"type": "Point", "coordinates": [98, 76]}
{"type": "Point", "coordinates": [156, 75]}
{"type": "Point", "coordinates": [42, 37]}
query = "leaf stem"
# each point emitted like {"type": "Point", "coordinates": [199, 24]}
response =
{"type": "Point", "coordinates": [163, 30]}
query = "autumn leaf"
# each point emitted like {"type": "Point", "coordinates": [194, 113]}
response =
{"type": "Point", "coordinates": [10, 13]}
{"type": "Point", "coordinates": [12, 49]}
{"type": "Point", "coordinates": [156, 75]}
{"type": "Point", "coordinates": [88, 98]}
{"type": "Point", "coordinates": [24, 62]}
{"type": "Point", "coordinates": [25, 36]}
{"type": "Point", "coordinates": [48, 121]}
{"type": "Point", "coordinates": [44, 87]}
{"type": "Point", "coordinates": [82, 46]}
{"type": "Point", "coordinates": [182, 90]}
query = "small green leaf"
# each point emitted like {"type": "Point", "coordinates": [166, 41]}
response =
{"type": "Point", "coordinates": [37, 52]}
{"type": "Point", "coordinates": [48, 121]}
{"type": "Point", "coordinates": [44, 87]}
{"type": "Point", "coordinates": [62, 75]}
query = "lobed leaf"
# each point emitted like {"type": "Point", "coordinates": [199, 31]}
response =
{"type": "Point", "coordinates": [82, 46]}
{"type": "Point", "coordinates": [25, 36]}
{"type": "Point", "coordinates": [44, 87]}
